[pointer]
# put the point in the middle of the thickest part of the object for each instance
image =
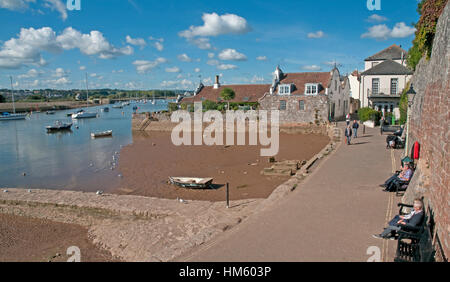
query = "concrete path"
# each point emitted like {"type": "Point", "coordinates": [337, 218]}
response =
{"type": "Point", "coordinates": [330, 217]}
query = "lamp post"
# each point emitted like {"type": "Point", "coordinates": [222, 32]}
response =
{"type": "Point", "coordinates": [411, 94]}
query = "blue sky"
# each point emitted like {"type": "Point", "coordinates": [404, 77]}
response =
{"type": "Point", "coordinates": [146, 44]}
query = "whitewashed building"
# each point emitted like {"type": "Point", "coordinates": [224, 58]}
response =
{"type": "Point", "coordinates": [384, 78]}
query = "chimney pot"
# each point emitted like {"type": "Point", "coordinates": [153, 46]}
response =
{"type": "Point", "coordinates": [217, 83]}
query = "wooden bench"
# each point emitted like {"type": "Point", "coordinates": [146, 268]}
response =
{"type": "Point", "coordinates": [414, 243]}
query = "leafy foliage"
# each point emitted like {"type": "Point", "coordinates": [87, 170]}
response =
{"type": "Point", "coordinates": [430, 11]}
{"type": "Point", "coordinates": [2, 99]}
{"type": "Point", "coordinates": [367, 113]}
{"type": "Point", "coordinates": [227, 94]}
{"type": "Point", "coordinates": [404, 105]}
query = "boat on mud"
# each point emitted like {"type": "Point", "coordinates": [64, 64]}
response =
{"type": "Point", "coordinates": [191, 182]}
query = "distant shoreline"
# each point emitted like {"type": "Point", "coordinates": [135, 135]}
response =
{"type": "Point", "coordinates": [43, 106]}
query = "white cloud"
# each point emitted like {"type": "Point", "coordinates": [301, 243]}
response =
{"type": "Point", "coordinates": [178, 84]}
{"type": "Point", "coordinates": [28, 46]}
{"type": "Point", "coordinates": [257, 79]}
{"type": "Point", "coordinates": [158, 43]}
{"type": "Point", "coordinates": [376, 18]}
{"type": "Point", "coordinates": [82, 68]}
{"type": "Point", "coordinates": [60, 72]}
{"type": "Point", "coordinates": [317, 34]}
{"type": "Point", "coordinates": [211, 55]}
{"type": "Point", "coordinates": [143, 66]}
{"type": "Point", "coordinates": [184, 58]}
{"type": "Point", "coordinates": [63, 81]}
{"type": "Point", "coordinates": [197, 70]}
{"type": "Point", "coordinates": [201, 42]}
{"type": "Point", "coordinates": [93, 43]}
{"type": "Point", "coordinates": [136, 41]}
{"type": "Point", "coordinates": [207, 81]}
{"type": "Point", "coordinates": [332, 63]}
{"type": "Point", "coordinates": [57, 5]}
{"type": "Point", "coordinates": [401, 30]}
{"type": "Point", "coordinates": [21, 5]}
{"type": "Point", "coordinates": [159, 46]}
{"type": "Point", "coordinates": [31, 74]}
{"type": "Point", "coordinates": [383, 32]}
{"type": "Point", "coordinates": [213, 62]}
{"type": "Point", "coordinates": [214, 25]}
{"type": "Point", "coordinates": [226, 67]}
{"type": "Point", "coordinates": [231, 55]}
{"type": "Point", "coordinates": [312, 68]}
{"type": "Point", "coordinates": [261, 58]}
{"type": "Point", "coordinates": [173, 70]}
{"type": "Point", "coordinates": [15, 5]}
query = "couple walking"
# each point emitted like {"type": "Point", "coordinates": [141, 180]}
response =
{"type": "Point", "coordinates": [351, 130]}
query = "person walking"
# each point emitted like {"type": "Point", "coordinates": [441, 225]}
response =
{"type": "Point", "coordinates": [347, 119]}
{"type": "Point", "coordinates": [355, 129]}
{"type": "Point", "coordinates": [348, 134]}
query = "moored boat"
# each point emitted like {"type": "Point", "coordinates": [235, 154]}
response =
{"type": "Point", "coordinates": [8, 116]}
{"type": "Point", "coordinates": [58, 126]}
{"type": "Point", "coordinates": [107, 133]}
{"type": "Point", "coordinates": [191, 182]}
{"type": "Point", "coordinates": [14, 116]}
{"type": "Point", "coordinates": [83, 115]}
{"type": "Point", "coordinates": [105, 109]}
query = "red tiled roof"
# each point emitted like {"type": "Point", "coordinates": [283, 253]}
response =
{"type": "Point", "coordinates": [301, 78]}
{"type": "Point", "coordinates": [244, 93]}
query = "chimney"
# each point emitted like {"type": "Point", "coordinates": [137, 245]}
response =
{"type": "Point", "coordinates": [217, 83]}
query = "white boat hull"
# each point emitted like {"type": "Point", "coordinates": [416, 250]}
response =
{"type": "Point", "coordinates": [84, 115]}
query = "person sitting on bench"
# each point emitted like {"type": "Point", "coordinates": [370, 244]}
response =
{"type": "Point", "coordinates": [412, 220]}
{"type": "Point", "coordinates": [404, 176]}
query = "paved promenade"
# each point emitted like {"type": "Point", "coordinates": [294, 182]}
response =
{"type": "Point", "coordinates": [330, 217]}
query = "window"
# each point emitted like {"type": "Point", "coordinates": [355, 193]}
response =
{"type": "Point", "coordinates": [284, 89]}
{"type": "Point", "coordinates": [311, 89]}
{"type": "Point", "coordinates": [301, 105]}
{"type": "Point", "coordinates": [394, 86]}
{"type": "Point", "coordinates": [282, 105]}
{"type": "Point", "coordinates": [375, 86]}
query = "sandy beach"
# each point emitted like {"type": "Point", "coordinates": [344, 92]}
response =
{"type": "Point", "coordinates": [25, 239]}
{"type": "Point", "coordinates": [152, 158]}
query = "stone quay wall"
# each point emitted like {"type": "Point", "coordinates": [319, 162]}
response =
{"type": "Point", "coordinates": [429, 125]}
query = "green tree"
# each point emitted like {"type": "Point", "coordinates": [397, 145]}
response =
{"type": "Point", "coordinates": [2, 99]}
{"type": "Point", "coordinates": [227, 94]}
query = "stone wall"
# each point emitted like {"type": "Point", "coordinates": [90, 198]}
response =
{"type": "Point", "coordinates": [429, 121]}
{"type": "Point", "coordinates": [315, 111]}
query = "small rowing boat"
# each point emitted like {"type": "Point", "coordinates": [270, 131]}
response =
{"type": "Point", "coordinates": [107, 133]}
{"type": "Point", "coordinates": [191, 182]}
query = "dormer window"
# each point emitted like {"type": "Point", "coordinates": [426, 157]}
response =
{"type": "Point", "coordinates": [284, 89]}
{"type": "Point", "coordinates": [311, 89]}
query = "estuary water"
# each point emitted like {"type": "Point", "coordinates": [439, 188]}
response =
{"type": "Point", "coordinates": [32, 158]}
